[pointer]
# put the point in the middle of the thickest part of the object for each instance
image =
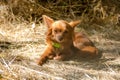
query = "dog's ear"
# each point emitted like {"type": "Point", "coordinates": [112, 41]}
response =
{"type": "Point", "coordinates": [74, 23]}
{"type": "Point", "coordinates": [47, 20]}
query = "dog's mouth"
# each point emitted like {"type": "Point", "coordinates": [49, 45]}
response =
{"type": "Point", "coordinates": [60, 40]}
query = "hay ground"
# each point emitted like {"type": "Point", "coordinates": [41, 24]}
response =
{"type": "Point", "coordinates": [21, 44]}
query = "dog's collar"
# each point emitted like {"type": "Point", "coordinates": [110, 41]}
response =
{"type": "Point", "coordinates": [56, 45]}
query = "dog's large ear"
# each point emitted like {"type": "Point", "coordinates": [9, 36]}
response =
{"type": "Point", "coordinates": [47, 21]}
{"type": "Point", "coordinates": [74, 23]}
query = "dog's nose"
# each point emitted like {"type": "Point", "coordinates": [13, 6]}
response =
{"type": "Point", "coordinates": [60, 38]}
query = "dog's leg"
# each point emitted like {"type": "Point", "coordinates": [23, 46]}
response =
{"type": "Point", "coordinates": [46, 55]}
{"type": "Point", "coordinates": [89, 52]}
{"type": "Point", "coordinates": [60, 56]}
{"type": "Point", "coordinates": [65, 55]}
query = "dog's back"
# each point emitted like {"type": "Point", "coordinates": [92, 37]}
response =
{"type": "Point", "coordinates": [84, 45]}
{"type": "Point", "coordinates": [80, 40]}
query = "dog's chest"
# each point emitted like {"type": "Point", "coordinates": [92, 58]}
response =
{"type": "Point", "coordinates": [58, 48]}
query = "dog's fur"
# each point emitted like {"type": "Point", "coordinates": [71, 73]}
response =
{"type": "Point", "coordinates": [69, 43]}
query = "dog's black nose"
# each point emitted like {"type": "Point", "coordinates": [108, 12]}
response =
{"type": "Point", "coordinates": [60, 38]}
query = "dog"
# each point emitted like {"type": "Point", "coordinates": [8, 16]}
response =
{"type": "Point", "coordinates": [63, 42]}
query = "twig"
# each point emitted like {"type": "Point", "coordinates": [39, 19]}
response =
{"type": "Point", "coordinates": [7, 66]}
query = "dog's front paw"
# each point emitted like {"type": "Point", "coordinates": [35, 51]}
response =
{"type": "Point", "coordinates": [39, 62]}
{"type": "Point", "coordinates": [58, 58]}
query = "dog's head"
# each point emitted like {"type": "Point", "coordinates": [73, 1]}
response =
{"type": "Point", "coordinates": [60, 31]}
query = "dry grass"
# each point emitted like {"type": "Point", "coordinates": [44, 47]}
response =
{"type": "Point", "coordinates": [22, 42]}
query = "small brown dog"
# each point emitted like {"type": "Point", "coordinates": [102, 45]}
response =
{"type": "Point", "coordinates": [63, 42]}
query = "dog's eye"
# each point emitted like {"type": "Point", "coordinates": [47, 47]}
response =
{"type": "Point", "coordinates": [65, 31]}
{"type": "Point", "coordinates": [55, 31]}
{"type": "Point", "coordinates": [60, 30]}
